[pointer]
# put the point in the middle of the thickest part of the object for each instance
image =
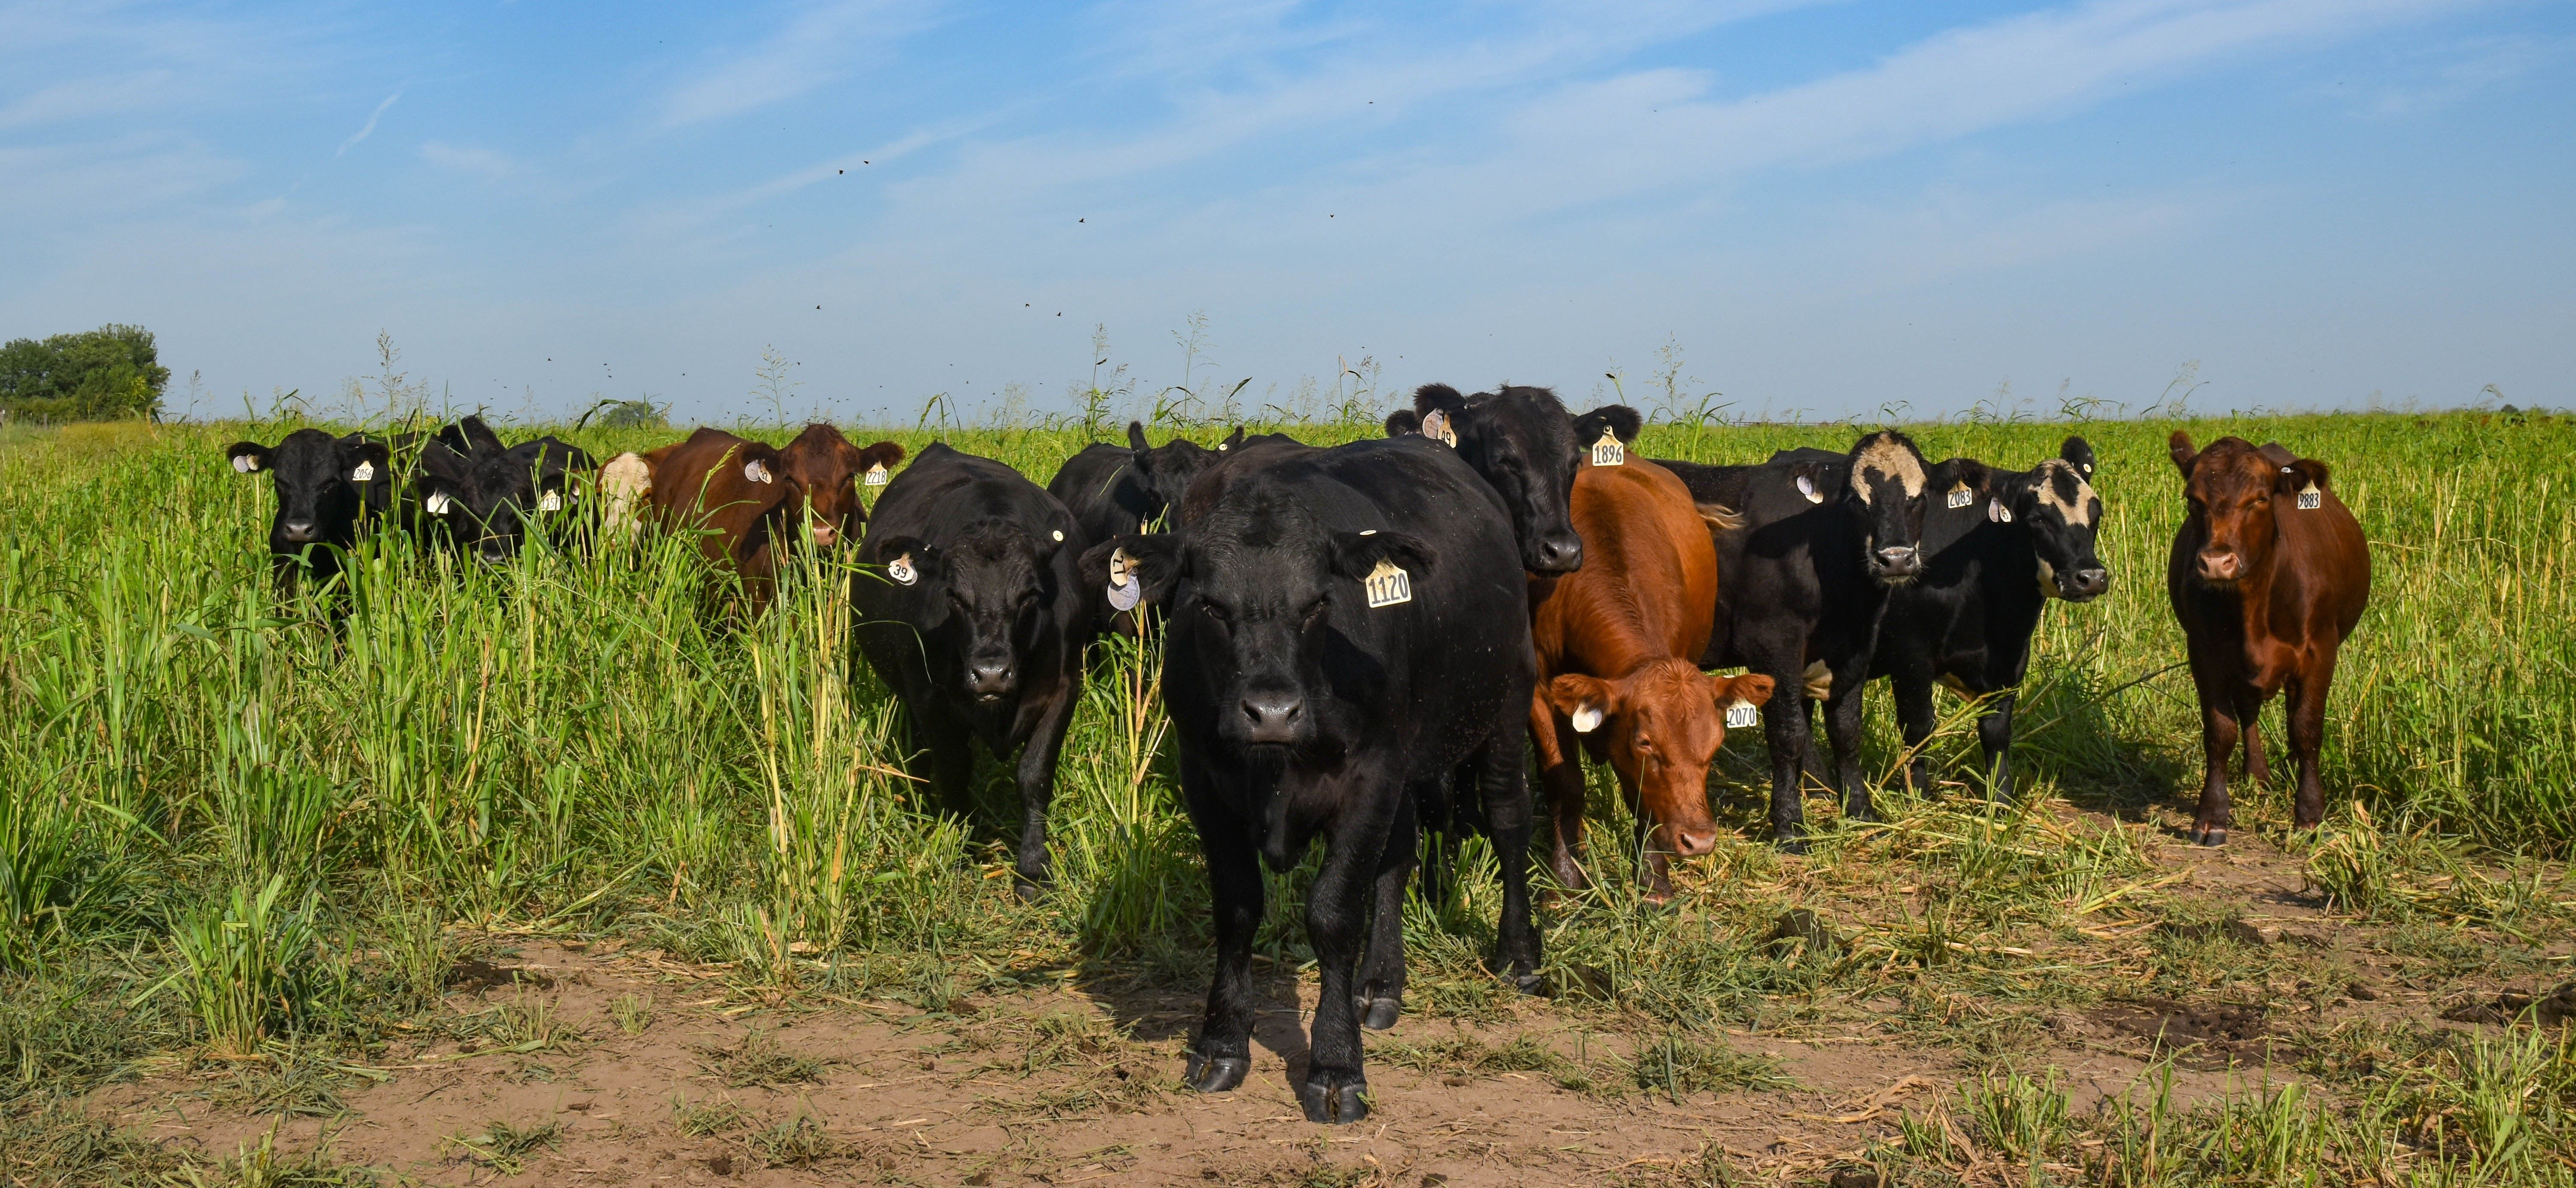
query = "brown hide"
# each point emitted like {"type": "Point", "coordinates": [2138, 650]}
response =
{"type": "Point", "coordinates": [1621, 638]}
{"type": "Point", "coordinates": [700, 487]}
{"type": "Point", "coordinates": [2266, 592]}
{"type": "Point", "coordinates": [828, 470]}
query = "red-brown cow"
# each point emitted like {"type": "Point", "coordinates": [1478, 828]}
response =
{"type": "Point", "coordinates": [733, 494]}
{"type": "Point", "coordinates": [828, 471]}
{"type": "Point", "coordinates": [1618, 648]}
{"type": "Point", "coordinates": [2269, 575]}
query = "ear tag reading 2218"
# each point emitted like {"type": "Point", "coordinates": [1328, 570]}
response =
{"type": "Point", "coordinates": [1387, 585]}
{"type": "Point", "coordinates": [1960, 496]}
{"type": "Point", "coordinates": [1608, 451]}
{"type": "Point", "coordinates": [877, 476]}
{"type": "Point", "coordinates": [2311, 499]}
{"type": "Point", "coordinates": [1742, 714]}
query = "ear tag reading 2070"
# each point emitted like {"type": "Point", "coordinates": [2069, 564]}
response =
{"type": "Point", "coordinates": [1387, 585]}
{"type": "Point", "coordinates": [877, 476]}
{"type": "Point", "coordinates": [1960, 496]}
{"type": "Point", "coordinates": [2311, 499]}
{"type": "Point", "coordinates": [1742, 714]}
{"type": "Point", "coordinates": [1608, 451]}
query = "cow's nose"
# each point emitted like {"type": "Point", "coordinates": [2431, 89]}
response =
{"type": "Point", "coordinates": [2091, 583]}
{"type": "Point", "coordinates": [989, 678]}
{"type": "Point", "coordinates": [824, 535]}
{"type": "Point", "coordinates": [1559, 553]}
{"type": "Point", "coordinates": [1273, 717]}
{"type": "Point", "coordinates": [300, 531]}
{"type": "Point", "coordinates": [1899, 561]}
{"type": "Point", "coordinates": [1691, 844]}
{"type": "Point", "coordinates": [2218, 567]}
{"type": "Point", "coordinates": [492, 550]}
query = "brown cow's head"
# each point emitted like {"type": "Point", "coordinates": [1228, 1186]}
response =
{"type": "Point", "coordinates": [831, 470]}
{"type": "Point", "coordinates": [1666, 721]}
{"type": "Point", "coordinates": [2234, 490]}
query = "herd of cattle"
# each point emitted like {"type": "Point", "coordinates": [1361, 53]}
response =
{"type": "Point", "coordinates": [1360, 637]}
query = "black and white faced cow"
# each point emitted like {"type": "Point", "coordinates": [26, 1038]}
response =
{"type": "Point", "coordinates": [1523, 443]}
{"type": "Point", "coordinates": [326, 487]}
{"type": "Point", "coordinates": [969, 609]}
{"type": "Point", "coordinates": [485, 497]}
{"type": "Point", "coordinates": [1998, 545]}
{"type": "Point", "coordinates": [1348, 627]}
{"type": "Point", "coordinates": [1803, 583]}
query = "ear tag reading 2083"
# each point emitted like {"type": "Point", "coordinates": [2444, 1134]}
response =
{"type": "Point", "coordinates": [1608, 451]}
{"type": "Point", "coordinates": [2311, 499]}
{"type": "Point", "coordinates": [877, 476]}
{"type": "Point", "coordinates": [1960, 496]}
{"type": "Point", "coordinates": [1742, 714]}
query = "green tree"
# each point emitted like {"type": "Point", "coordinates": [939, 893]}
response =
{"type": "Point", "coordinates": [110, 373]}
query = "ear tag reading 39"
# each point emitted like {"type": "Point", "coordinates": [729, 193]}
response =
{"type": "Point", "coordinates": [1387, 585]}
{"type": "Point", "coordinates": [1996, 511]}
{"type": "Point", "coordinates": [1742, 714]}
{"type": "Point", "coordinates": [1436, 427]}
{"type": "Point", "coordinates": [1124, 589]}
{"type": "Point", "coordinates": [550, 501]}
{"type": "Point", "coordinates": [365, 471]}
{"type": "Point", "coordinates": [438, 503]}
{"type": "Point", "coordinates": [1807, 487]}
{"type": "Point", "coordinates": [1960, 496]}
{"type": "Point", "coordinates": [1608, 451]}
{"type": "Point", "coordinates": [2311, 499]}
{"type": "Point", "coordinates": [901, 570]}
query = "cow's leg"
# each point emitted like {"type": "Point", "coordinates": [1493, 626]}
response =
{"type": "Point", "coordinates": [1380, 997]}
{"type": "Point", "coordinates": [1502, 783]}
{"type": "Point", "coordinates": [1223, 1052]}
{"type": "Point", "coordinates": [2306, 705]}
{"type": "Point", "coordinates": [1654, 861]}
{"type": "Point", "coordinates": [1784, 728]}
{"type": "Point", "coordinates": [2217, 739]}
{"type": "Point", "coordinates": [1560, 769]}
{"type": "Point", "coordinates": [1915, 721]}
{"type": "Point", "coordinates": [1037, 785]}
{"type": "Point", "coordinates": [1842, 729]}
{"type": "Point", "coordinates": [950, 747]}
{"type": "Point", "coordinates": [1994, 733]}
{"type": "Point", "coordinates": [2249, 724]}
{"type": "Point", "coordinates": [1337, 920]}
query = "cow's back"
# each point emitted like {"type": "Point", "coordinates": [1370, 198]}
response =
{"type": "Point", "coordinates": [1100, 487]}
{"type": "Point", "coordinates": [1649, 579]}
{"type": "Point", "coordinates": [2322, 565]}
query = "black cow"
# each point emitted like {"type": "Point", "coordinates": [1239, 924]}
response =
{"type": "Point", "coordinates": [1304, 711]}
{"type": "Point", "coordinates": [1113, 490]}
{"type": "Point", "coordinates": [1523, 443]}
{"type": "Point", "coordinates": [1998, 544]}
{"type": "Point", "coordinates": [969, 609]}
{"type": "Point", "coordinates": [483, 496]}
{"type": "Point", "coordinates": [326, 487]}
{"type": "Point", "coordinates": [1802, 585]}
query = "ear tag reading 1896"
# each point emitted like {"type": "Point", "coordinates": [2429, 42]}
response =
{"type": "Point", "coordinates": [1742, 714]}
{"type": "Point", "coordinates": [2311, 499]}
{"type": "Point", "coordinates": [1388, 585]}
{"type": "Point", "coordinates": [1960, 496]}
{"type": "Point", "coordinates": [901, 570]}
{"type": "Point", "coordinates": [365, 471]}
{"type": "Point", "coordinates": [1807, 487]}
{"type": "Point", "coordinates": [877, 476]}
{"type": "Point", "coordinates": [1608, 451]}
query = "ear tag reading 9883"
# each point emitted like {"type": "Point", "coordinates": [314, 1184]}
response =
{"type": "Point", "coordinates": [1742, 714]}
{"type": "Point", "coordinates": [1387, 585]}
{"type": "Point", "coordinates": [1608, 451]}
{"type": "Point", "coordinates": [2311, 499]}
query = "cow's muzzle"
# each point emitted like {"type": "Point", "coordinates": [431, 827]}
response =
{"type": "Point", "coordinates": [493, 550]}
{"type": "Point", "coordinates": [1271, 719]}
{"type": "Point", "coordinates": [300, 531]}
{"type": "Point", "coordinates": [1557, 552]}
{"type": "Point", "coordinates": [1899, 563]}
{"type": "Point", "coordinates": [2084, 585]}
{"type": "Point", "coordinates": [2218, 567]}
{"type": "Point", "coordinates": [991, 679]}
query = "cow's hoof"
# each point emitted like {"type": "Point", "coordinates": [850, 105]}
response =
{"type": "Point", "coordinates": [1213, 1074]}
{"type": "Point", "coordinates": [1791, 844]}
{"type": "Point", "coordinates": [1029, 891]}
{"type": "Point", "coordinates": [1332, 1104]}
{"type": "Point", "coordinates": [2215, 835]}
{"type": "Point", "coordinates": [1530, 984]}
{"type": "Point", "coordinates": [1378, 1014]}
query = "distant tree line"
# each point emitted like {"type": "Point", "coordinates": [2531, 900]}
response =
{"type": "Point", "coordinates": [111, 373]}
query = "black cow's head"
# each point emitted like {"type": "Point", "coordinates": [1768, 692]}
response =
{"type": "Point", "coordinates": [321, 484]}
{"type": "Point", "coordinates": [1523, 442]}
{"type": "Point", "coordinates": [2232, 492]}
{"type": "Point", "coordinates": [987, 588]}
{"type": "Point", "coordinates": [2055, 507]}
{"type": "Point", "coordinates": [1884, 482]}
{"type": "Point", "coordinates": [489, 496]}
{"type": "Point", "coordinates": [1168, 469]}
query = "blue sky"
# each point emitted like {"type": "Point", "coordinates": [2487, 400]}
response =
{"type": "Point", "coordinates": [1830, 209]}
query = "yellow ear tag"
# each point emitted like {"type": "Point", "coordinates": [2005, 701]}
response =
{"type": "Point", "coordinates": [365, 471]}
{"type": "Point", "coordinates": [901, 570]}
{"type": "Point", "coordinates": [876, 476]}
{"type": "Point", "coordinates": [2311, 499]}
{"type": "Point", "coordinates": [1387, 585]}
{"type": "Point", "coordinates": [1742, 715]}
{"type": "Point", "coordinates": [1960, 496]}
{"type": "Point", "coordinates": [1608, 451]}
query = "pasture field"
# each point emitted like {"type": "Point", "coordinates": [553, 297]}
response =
{"type": "Point", "coordinates": [560, 873]}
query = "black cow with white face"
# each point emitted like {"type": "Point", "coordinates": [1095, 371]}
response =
{"type": "Point", "coordinates": [1523, 442]}
{"type": "Point", "coordinates": [1115, 489]}
{"type": "Point", "coordinates": [1821, 541]}
{"type": "Point", "coordinates": [485, 497]}
{"type": "Point", "coordinates": [327, 488]}
{"type": "Point", "coordinates": [1303, 711]}
{"type": "Point", "coordinates": [969, 609]}
{"type": "Point", "coordinates": [1999, 544]}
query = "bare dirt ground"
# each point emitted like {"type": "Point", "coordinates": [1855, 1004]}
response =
{"type": "Point", "coordinates": [639, 1070]}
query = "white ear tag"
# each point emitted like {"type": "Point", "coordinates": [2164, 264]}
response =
{"type": "Point", "coordinates": [757, 471]}
{"type": "Point", "coordinates": [365, 471]}
{"type": "Point", "coordinates": [901, 570]}
{"type": "Point", "coordinates": [1059, 536]}
{"type": "Point", "coordinates": [1960, 496]}
{"type": "Point", "coordinates": [438, 503]}
{"type": "Point", "coordinates": [1742, 714]}
{"type": "Point", "coordinates": [1587, 718]}
{"type": "Point", "coordinates": [1608, 451]}
{"type": "Point", "coordinates": [1436, 427]}
{"type": "Point", "coordinates": [550, 501]}
{"type": "Point", "coordinates": [1387, 585]}
{"type": "Point", "coordinates": [1996, 511]}
{"type": "Point", "coordinates": [2311, 499]}
{"type": "Point", "coordinates": [876, 476]}
{"type": "Point", "coordinates": [1220, 447]}
{"type": "Point", "coordinates": [245, 463]}
{"type": "Point", "coordinates": [1124, 589]}
{"type": "Point", "coordinates": [1807, 487]}
{"type": "Point", "coordinates": [2088, 469]}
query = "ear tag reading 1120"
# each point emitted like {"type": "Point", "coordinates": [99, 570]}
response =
{"type": "Point", "coordinates": [365, 471]}
{"type": "Point", "coordinates": [1742, 714]}
{"type": "Point", "coordinates": [901, 570]}
{"type": "Point", "coordinates": [1960, 496]}
{"type": "Point", "coordinates": [877, 476]}
{"type": "Point", "coordinates": [1608, 451]}
{"type": "Point", "coordinates": [1387, 585]}
{"type": "Point", "coordinates": [2311, 499]}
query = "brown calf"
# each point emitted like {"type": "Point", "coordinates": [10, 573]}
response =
{"type": "Point", "coordinates": [1618, 648]}
{"type": "Point", "coordinates": [829, 471]}
{"type": "Point", "coordinates": [2269, 574]}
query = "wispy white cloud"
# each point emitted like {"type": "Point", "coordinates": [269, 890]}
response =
{"type": "Point", "coordinates": [369, 128]}
{"type": "Point", "coordinates": [473, 159]}
{"type": "Point", "coordinates": [822, 43]}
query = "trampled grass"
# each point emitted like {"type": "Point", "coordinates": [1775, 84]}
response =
{"type": "Point", "coordinates": [211, 794]}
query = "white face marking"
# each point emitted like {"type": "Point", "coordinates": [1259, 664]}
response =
{"type": "Point", "coordinates": [2047, 579]}
{"type": "Point", "coordinates": [2081, 511]}
{"type": "Point", "coordinates": [1587, 718]}
{"type": "Point", "coordinates": [365, 471]}
{"type": "Point", "coordinates": [1887, 458]}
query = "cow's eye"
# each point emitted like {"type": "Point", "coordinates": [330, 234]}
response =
{"type": "Point", "coordinates": [1216, 610]}
{"type": "Point", "coordinates": [1314, 611]}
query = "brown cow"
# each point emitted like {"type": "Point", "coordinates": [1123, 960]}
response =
{"type": "Point", "coordinates": [734, 495]}
{"type": "Point", "coordinates": [2269, 574]}
{"type": "Point", "coordinates": [1618, 648]}
{"type": "Point", "coordinates": [828, 471]}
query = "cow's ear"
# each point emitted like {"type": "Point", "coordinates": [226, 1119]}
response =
{"type": "Point", "coordinates": [1816, 482]}
{"type": "Point", "coordinates": [1356, 554]}
{"type": "Point", "coordinates": [247, 456]}
{"type": "Point", "coordinates": [2301, 474]}
{"type": "Point", "coordinates": [1954, 472]}
{"type": "Point", "coordinates": [1403, 422]}
{"type": "Point", "coordinates": [1619, 419]}
{"type": "Point", "coordinates": [478, 436]}
{"type": "Point", "coordinates": [373, 458]}
{"type": "Point", "coordinates": [1136, 437]}
{"type": "Point", "coordinates": [761, 463]}
{"type": "Point", "coordinates": [1150, 562]}
{"type": "Point", "coordinates": [2179, 445]}
{"type": "Point", "coordinates": [2078, 453]}
{"type": "Point", "coordinates": [1431, 398]}
{"type": "Point", "coordinates": [1752, 687]}
{"type": "Point", "coordinates": [884, 453]}
{"type": "Point", "coordinates": [1231, 440]}
{"type": "Point", "coordinates": [906, 561]}
{"type": "Point", "coordinates": [1588, 700]}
